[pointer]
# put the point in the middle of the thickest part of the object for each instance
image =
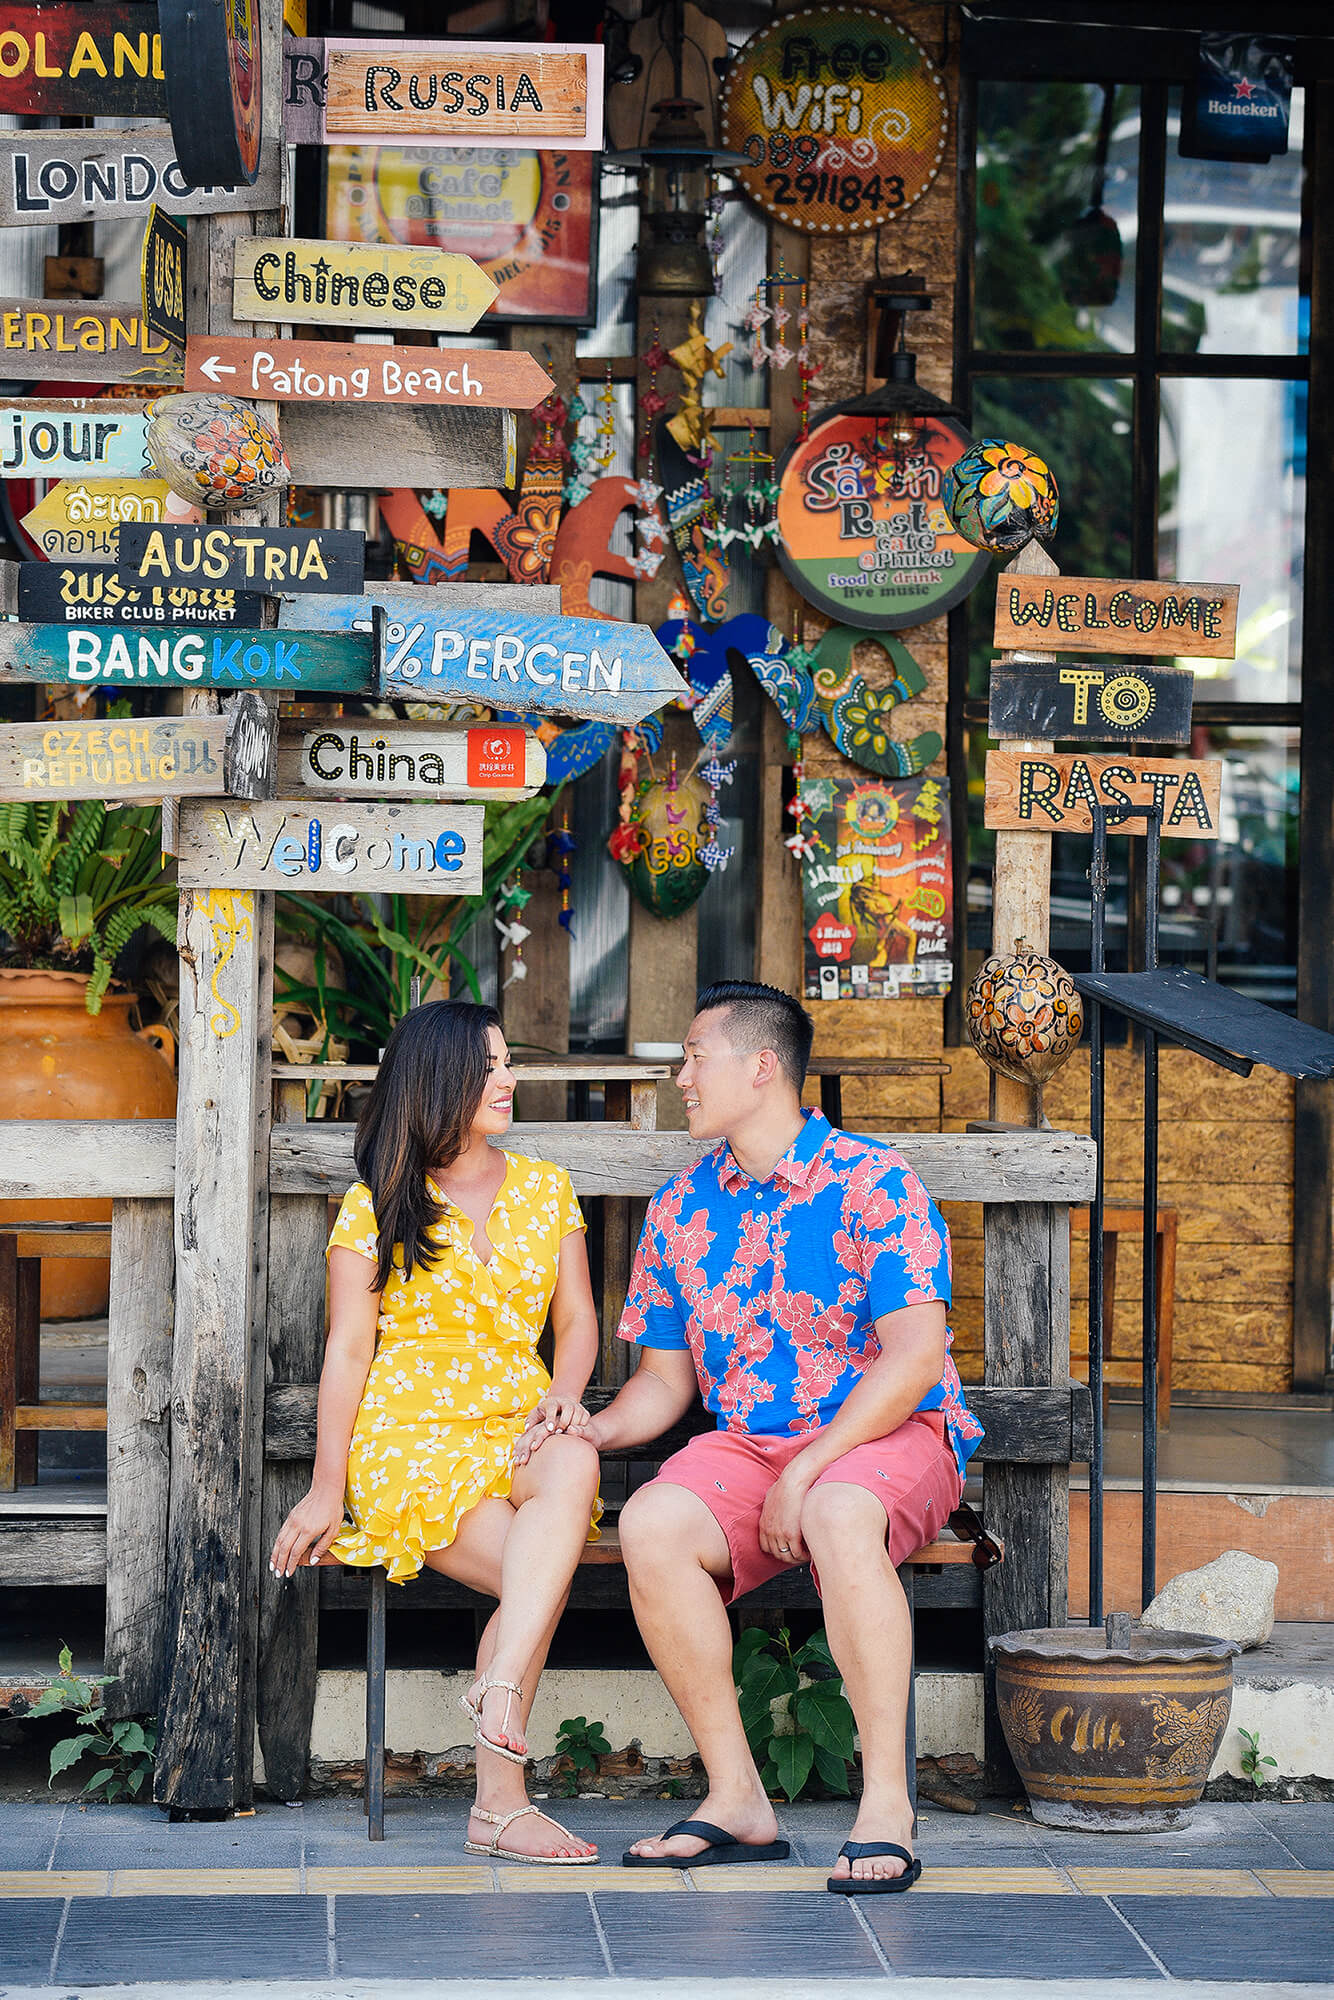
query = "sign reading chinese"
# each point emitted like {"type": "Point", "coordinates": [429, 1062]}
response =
{"type": "Point", "coordinates": [385, 760]}
{"type": "Point", "coordinates": [1054, 794]}
{"type": "Point", "coordinates": [863, 533]}
{"type": "Point", "coordinates": [343, 284]}
{"type": "Point", "coordinates": [877, 897]}
{"type": "Point", "coordinates": [419, 850]}
{"type": "Point", "coordinates": [1089, 614]}
{"type": "Point", "coordinates": [1060, 701]}
{"type": "Point", "coordinates": [92, 593]}
{"type": "Point", "coordinates": [841, 115]}
{"type": "Point", "coordinates": [100, 176]}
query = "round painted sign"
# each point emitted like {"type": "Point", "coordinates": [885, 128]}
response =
{"type": "Point", "coordinates": [216, 131]}
{"type": "Point", "coordinates": [841, 115]}
{"type": "Point", "coordinates": [863, 532]}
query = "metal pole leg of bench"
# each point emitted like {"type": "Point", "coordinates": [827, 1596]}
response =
{"type": "Point", "coordinates": [910, 1731]}
{"type": "Point", "coordinates": [375, 1678]}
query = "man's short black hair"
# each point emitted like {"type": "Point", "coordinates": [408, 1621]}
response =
{"type": "Point", "coordinates": [763, 1017]}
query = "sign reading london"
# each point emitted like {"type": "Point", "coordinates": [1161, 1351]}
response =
{"type": "Point", "coordinates": [172, 656]}
{"type": "Point", "coordinates": [268, 559]}
{"type": "Point", "coordinates": [431, 850]}
{"type": "Point", "coordinates": [589, 667]}
{"type": "Point", "coordinates": [101, 176]}
{"type": "Point", "coordinates": [1097, 615]}
{"type": "Point", "coordinates": [357, 284]}
{"type": "Point", "coordinates": [1061, 701]}
{"type": "Point", "coordinates": [1054, 794]}
{"type": "Point", "coordinates": [325, 371]}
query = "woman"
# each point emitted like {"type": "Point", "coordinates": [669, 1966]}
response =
{"type": "Point", "coordinates": [442, 1265]}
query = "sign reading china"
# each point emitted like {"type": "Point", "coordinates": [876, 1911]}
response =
{"type": "Point", "coordinates": [1098, 615]}
{"type": "Point", "coordinates": [1055, 794]}
{"type": "Point", "coordinates": [841, 117]}
{"type": "Point", "coordinates": [863, 534]}
{"type": "Point", "coordinates": [169, 656]}
{"type": "Point", "coordinates": [325, 371]}
{"type": "Point", "coordinates": [99, 176]}
{"type": "Point", "coordinates": [420, 850]}
{"type": "Point", "coordinates": [412, 761]}
{"type": "Point", "coordinates": [347, 284]}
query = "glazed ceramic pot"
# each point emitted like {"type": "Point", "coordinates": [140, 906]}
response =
{"type": "Point", "coordinates": [666, 873]}
{"type": "Point", "coordinates": [999, 496]}
{"type": "Point", "coordinates": [1114, 1732]}
{"type": "Point", "coordinates": [215, 451]}
{"type": "Point", "coordinates": [59, 1061]}
{"type": "Point", "coordinates": [1023, 1014]}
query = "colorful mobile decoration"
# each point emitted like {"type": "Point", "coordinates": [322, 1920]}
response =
{"type": "Point", "coordinates": [213, 451]}
{"type": "Point", "coordinates": [749, 493]}
{"type": "Point", "coordinates": [561, 844]}
{"type": "Point", "coordinates": [511, 901]}
{"type": "Point", "coordinates": [526, 538]}
{"type": "Point", "coordinates": [1001, 497]}
{"type": "Point", "coordinates": [668, 826]}
{"type": "Point", "coordinates": [696, 359]}
{"type": "Point", "coordinates": [789, 306]}
{"type": "Point", "coordinates": [692, 516]}
{"type": "Point", "coordinates": [652, 402]}
{"type": "Point", "coordinates": [715, 776]}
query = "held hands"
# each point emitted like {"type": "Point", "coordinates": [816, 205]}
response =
{"type": "Point", "coordinates": [307, 1532]}
{"type": "Point", "coordinates": [554, 1413]}
{"type": "Point", "coordinates": [780, 1517]}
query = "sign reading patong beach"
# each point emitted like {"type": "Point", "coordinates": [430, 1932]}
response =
{"type": "Point", "coordinates": [100, 176]}
{"type": "Point", "coordinates": [357, 284]}
{"type": "Point", "coordinates": [326, 371]}
{"type": "Point", "coordinates": [841, 116]}
{"type": "Point", "coordinates": [863, 533]}
{"type": "Point", "coordinates": [418, 850]}
{"type": "Point", "coordinates": [172, 656]}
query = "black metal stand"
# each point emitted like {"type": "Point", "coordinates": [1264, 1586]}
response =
{"type": "Point", "coordinates": [1149, 1295]}
{"type": "Point", "coordinates": [1097, 1101]}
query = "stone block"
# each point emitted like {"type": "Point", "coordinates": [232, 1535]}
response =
{"type": "Point", "coordinates": [1229, 1598]}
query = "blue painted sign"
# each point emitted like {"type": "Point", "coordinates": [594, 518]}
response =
{"type": "Point", "coordinates": [79, 439]}
{"type": "Point", "coordinates": [173, 656]}
{"type": "Point", "coordinates": [422, 850]}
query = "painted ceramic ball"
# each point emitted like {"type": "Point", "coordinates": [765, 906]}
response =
{"type": "Point", "coordinates": [666, 873]}
{"type": "Point", "coordinates": [1023, 1014]}
{"type": "Point", "coordinates": [1000, 496]}
{"type": "Point", "coordinates": [214, 451]}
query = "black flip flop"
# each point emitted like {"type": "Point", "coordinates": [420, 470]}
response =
{"type": "Point", "coordinates": [724, 1849]}
{"type": "Point", "coordinates": [867, 1850]}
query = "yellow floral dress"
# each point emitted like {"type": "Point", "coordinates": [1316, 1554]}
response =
{"type": "Point", "coordinates": [456, 1371]}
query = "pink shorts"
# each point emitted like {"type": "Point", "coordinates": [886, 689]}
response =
{"type": "Point", "coordinates": [912, 1473]}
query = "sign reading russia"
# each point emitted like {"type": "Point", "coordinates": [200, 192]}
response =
{"type": "Point", "coordinates": [455, 93]}
{"type": "Point", "coordinates": [429, 850]}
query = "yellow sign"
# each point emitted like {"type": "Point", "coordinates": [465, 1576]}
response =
{"type": "Point", "coordinates": [82, 519]}
{"type": "Point", "coordinates": [357, 284]}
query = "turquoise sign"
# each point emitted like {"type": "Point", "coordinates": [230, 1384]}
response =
{"type": "Point", "coordinates": [80, 439]}
{"type": "Point", "coordinates": [185, 656]}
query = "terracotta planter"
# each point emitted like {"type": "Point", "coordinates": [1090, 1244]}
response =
{"type": "Point", "coordinates": [1113, 1737]}
{"type": "Point", "coordinates": [59, 1061]}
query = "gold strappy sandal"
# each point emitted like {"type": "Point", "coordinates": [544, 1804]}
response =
{"type": "Point", "coordinates": [495, 1852]}
{"type": "Point", "coordinates": [473, 1710]}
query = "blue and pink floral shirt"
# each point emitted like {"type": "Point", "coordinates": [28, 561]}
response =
{"type": "Point", "coordinates": [775, 1286]}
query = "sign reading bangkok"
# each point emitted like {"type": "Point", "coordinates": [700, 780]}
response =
{"type": "Point", "coordinates": [841, 117]}
{"type": "Point", "coordinates": [431, 850]}
{"type": "Point", "coordinates": [166, 655]}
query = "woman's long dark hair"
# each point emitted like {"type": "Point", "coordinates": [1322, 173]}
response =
{"type": "Point", "coordinates": [417, 1117]}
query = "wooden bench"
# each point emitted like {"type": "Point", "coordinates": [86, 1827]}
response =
{"type": "Point", "coordinates": [23, 1414]}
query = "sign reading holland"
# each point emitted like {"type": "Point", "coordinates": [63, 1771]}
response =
{"type": "Point", "coordinates": [169, 656]}
{"type": "Point", "coordinates": [589, 667]}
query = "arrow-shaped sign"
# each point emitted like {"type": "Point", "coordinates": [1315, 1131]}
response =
{"type": "Point", "coordinates": [357, 284]}
{"type": "Point", "coordinates": [335, 372]}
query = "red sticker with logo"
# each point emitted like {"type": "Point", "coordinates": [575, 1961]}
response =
{"type": "Point", "coordinates": [831, 938]}
{"type": "Point", "coordinates": [496, 756]}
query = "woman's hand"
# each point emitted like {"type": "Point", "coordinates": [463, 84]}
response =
{"type": "Point", "coordinates": [544, 1422]}
{"type": "Point", "coordinates": [307, 1532]}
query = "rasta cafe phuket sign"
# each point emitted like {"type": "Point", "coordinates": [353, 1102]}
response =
{"type": "Point", "coordinates": [267, 559]}
{"type": "Point", "coordinates": [863, 533]}
{"type": "Point", "coordinates": [102, 176]}
{"type": "Point", "coordinates": [1053, 794]}
{"type": "Point", "coordinates": [1098, 615]}
{"type": "Point", "coordinates": [841, 117]}
{"type": "Point", "coordinates": [426, 850]}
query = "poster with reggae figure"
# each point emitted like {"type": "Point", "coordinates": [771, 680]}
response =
{"type": "Point", "coordinates": [877, 906]}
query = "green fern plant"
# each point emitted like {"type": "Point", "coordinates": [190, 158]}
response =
{"type": "Point", "coordinates": [76, 883]}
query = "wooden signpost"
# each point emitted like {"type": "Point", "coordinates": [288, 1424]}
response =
{"type": "Point", "coordinates": [78, 521]}
{"type": "Point", "coordinates": [104, 176]}
{"type": "Point", "coordinates": [588, 667]}
{"type": "Point", "coordinates": [80, 61]}
{"type": "Point", "coordinates": [81, 439]}
{"type": "Point", "coordinates": [152, 758]}
{"type": "Point", "coordinates": [409, 760]}
{"type": "Point", "coordinates": [420, 850]}
{"type": "Point", "coordinates": [1041, 792]}
{"type": "Point", "coordinates": [162, 276]}
{"type": "Point", "coordinates": [1062, 701]}
{"type": "Point", "coordinates": [1084, 614]}
{"type": "Point", "coordinates": [381, 448]}
{"type": "Point", "coordinates": [377, 92]}
{"type": "Point", "coordinates": [329, 372]}
{"type": "Point", "coordinates": [52, 340]}
{"type": "Point", "coordinates": [211, 51]}
{"type": "Point", "coordinates": [92, 593]}
{"type": "Point", "coordinates": [176, 656]}
{"type": "Point", "coordinates": [357, 284]}
{"type": "Point", "coordinates": [268, 559]}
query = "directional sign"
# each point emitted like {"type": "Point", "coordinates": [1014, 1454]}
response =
{"type": "Point", "coordinates": [147, 759]}
{"type": "Point", "coordinates": [91, 593]}
{"type": "Point", "coordinates": [50, 340]}
{"type": "Point", "coordinates": [420, 850]}
{"type": "Point", "coordinates": [1089, 614]}
{"type": "Point", "coordinates": [100, 176]}
{"type": "Point", "coordinates": [1050, 794]}
{"type": "Point", "coordinates": [588, 667]}
{"type": "Point", "coordinates": [269, 559]}
{"type": "Point", "coordinates": [388, 448]}
{"type": "Point", "coordinates": [83, 520]}
{"type": "Point", "coordinates": [81, 61]}
{"type": "Point", "coordinates": [357, 284]}
{"type": "Point", "coordinates": [74, 440]}
{"type": "Point", "coordinates": [1062, 701]}
{"type": "Point", "coordinates": [325, 371]}
{"type": "Point", "coordinates": [162, 276]}
{"type": "Point", "coordinates": [492, 90]}
{"type": "Point", "coordinates": [387, 760]}
{"type": "Point", "coordinates": [176, 656]}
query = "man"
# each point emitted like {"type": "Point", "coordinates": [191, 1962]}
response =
{"type": "Point", "coordinates": [798, 1277]}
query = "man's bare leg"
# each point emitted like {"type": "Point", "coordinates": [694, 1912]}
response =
{"type": "Point", "coordinates": [869, 1629]}
{"type": "Point", "coordinates": [675, 1553]}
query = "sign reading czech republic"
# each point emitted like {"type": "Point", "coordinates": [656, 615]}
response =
{"type": "Point", "coordinates": [863, 533]}
{"type": "Point", "coordinates": [841, 116]}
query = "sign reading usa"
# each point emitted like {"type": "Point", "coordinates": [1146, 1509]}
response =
{"type": "Point", "coordinates": [431, 850]}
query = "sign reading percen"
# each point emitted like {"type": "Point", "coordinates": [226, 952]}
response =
{"type": "Point", "coordinates": [589, 667]}
{"type": "Point", "coordinates": [162, 276]}
{"type": "Point", "coordinates": [74, 440]}
{"type": "Point", "coordinates": [413, 762]}
{"type": "Point", "coordinates": [99, 176]}
{"type": "Point", "coordinates": [326, 371]}
{"type": "Point", "coordinates": [1059, 701]}
{"type": "Point", "coordinates": [82, 61]}
{"type": "Point", "coordinates": [152, 758]}
{"type": "Point", "coordinates": [356, 284]}
{"type": "Point", "coordinates": [419, 850]}
{"type": "Point", "coordinates": [48, 340]}
{"type": "Point", "coordinates": [268, 559]}
{"type": "Point", "coordinates": [1051, 794]}
{"type": "Point", "coordinates": [488, 91]}
{"type": "Point", "coordinates": [1090, 614]}
{"type": "Point", "coordinates": [92, 593]}
{"type": "Point", "coordinates": [169, 656]}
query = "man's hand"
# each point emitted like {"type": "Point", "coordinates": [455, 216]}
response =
{"type": "Point", "coordinates": [780, 1517]}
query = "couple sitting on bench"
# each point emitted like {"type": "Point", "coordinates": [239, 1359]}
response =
{"type": "Point", "coordinates": [797, 1277]}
